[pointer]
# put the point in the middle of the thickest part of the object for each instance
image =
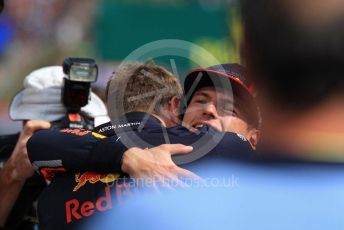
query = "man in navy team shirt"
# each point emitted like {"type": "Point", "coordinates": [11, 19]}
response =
{"type": "Point", "coordinates": [210, 113]}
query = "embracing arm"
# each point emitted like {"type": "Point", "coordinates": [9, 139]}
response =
{"type": "Point", "coordinates": [80, 150]}
{"type": "Point", "coordinates": [72, 150]}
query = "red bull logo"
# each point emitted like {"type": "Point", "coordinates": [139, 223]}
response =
{"type": "Point", "coordinates": [77, 210]}
{"type": "Point", "coordinates": [93, 178]}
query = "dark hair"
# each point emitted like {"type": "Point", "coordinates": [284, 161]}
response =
{"type": "Point", "coordinates": [244, 101]}
{"type": "Point", "coordinates": [296, 64]}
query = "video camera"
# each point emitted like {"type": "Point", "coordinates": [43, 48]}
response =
{"type": "Point", "coordinates": [80, 73]}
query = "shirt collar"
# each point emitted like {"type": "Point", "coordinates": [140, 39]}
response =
{"type": "Point", "coordinates": [132, 121]}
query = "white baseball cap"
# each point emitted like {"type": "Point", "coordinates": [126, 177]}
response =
{"type": "Point", "coordinates": [40, 99]}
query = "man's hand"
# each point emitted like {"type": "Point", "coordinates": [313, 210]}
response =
{"type": "Point", "coordinates": [18, 168]}
{"type": "Point", "coordinates": [156, 163]}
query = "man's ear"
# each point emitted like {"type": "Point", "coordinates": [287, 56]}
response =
{"type": "Point", "coordinates": [175, 105]}
{"type": "Point", "coordinates": [169, 113]}
{"type": "Point", "coordinates": [173, 110]}
{"type": "Point", "coordinates": [253, 137]}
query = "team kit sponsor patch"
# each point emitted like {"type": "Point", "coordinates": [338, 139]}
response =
{"type": "Point", "coordinates": [115, 191]}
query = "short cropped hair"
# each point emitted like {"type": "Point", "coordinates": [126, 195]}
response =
{"type": "Point", "coordinates": [141, 87]}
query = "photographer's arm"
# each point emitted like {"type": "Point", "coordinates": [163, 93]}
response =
{"type": "Point", "coordinates": [16, 170]}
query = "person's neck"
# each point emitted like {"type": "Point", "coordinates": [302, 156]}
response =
{"type": "Point", "coordinates": [165, 121]}
{"type": "Point", "coordinates": [160, 119]}
{"type": "Point", "coordinates": [319, 129]}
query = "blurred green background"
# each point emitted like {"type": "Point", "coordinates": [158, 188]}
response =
{"type": "Point", "coordinates": [38, 33]}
